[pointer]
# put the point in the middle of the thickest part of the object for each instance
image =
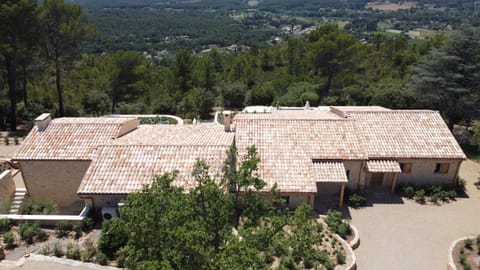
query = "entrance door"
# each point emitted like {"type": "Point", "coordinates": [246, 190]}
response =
{"type": "Point", "coordinates": [376, 179]}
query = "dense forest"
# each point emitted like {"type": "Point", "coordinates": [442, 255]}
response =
{"type": "Point", "coordinates": [44, 70]}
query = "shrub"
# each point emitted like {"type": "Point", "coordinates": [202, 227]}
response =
{"type": "Point", "coordinates": [435, 198]}
{"type": "Point", "coordinates": [121, 257]}
{"type": "Point", "coordinates": [9, 240]}
{"type": "Point", "coordinates": [88, 252]}
{"type": "Point", "coordinates": [62, 229]}
{"type": "Point", "coordinates": [451, 194]}
{"type": "Point", "coordinates": [38, 207]}
{"type": "Point", "coordinates": [113, 237]}
{"type": "Point", "coordinates": [341, 258]}
{"type": "Point", "coordinates": [468, 243]}
{"type": "Point", "coordinates": [16, 141]}
{"type": "Point", "coordinates": [336, 224]}
{"type": "Point", "coordinates": [46, 250]}
{"type": "Point", "coordinates": [6, 140]}
{"type": "Point", "coordinates": [57, 249]}
{"type": "Point", "coordinates": [419, 196]}
{"type": "Point", "coordinates": [357, 200]}
{"type": "Point", "coordinates": [41, 235]}
{"type": "Point", "coordinates": [287, 262]}
{"type": "Point", "coordinates": [478, 244]}
{"type": "Point", "coordinates": [88, 224]}
{"type": "Point", "coordinates": [77, 231]}
{"type": "Point", "coordinates": [409, 191]}
{"type": "Point", "coordinates": [5, 225]}
{"type": "Point", "coordinates": [466, 266]}
{"type": "Point", "coordinates": [101, 259]}
{"type": "Point", "coordinates": [460, 186]}
{"type": "Point", "coordinates": [73, 252]}
{"type": "Point", "coordinates": [29, 232]}
{"type": "Point", "coordinates": [462, 258]}
{"type": "Point", "coordinates": [26, 232]}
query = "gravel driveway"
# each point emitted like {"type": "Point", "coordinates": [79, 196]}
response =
{"type": "Point", "coordinates": [406, 235]}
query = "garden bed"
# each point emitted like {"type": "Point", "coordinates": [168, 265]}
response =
{"type": "Point", "coordinates": [466, 253]}
{"type": "Point", "coordinates": [432, 194]}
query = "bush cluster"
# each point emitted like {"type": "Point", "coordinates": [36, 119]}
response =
{"type": "Point", "coordinates": [5, 225]}
{"type": "Point", "coordinates": [63, 229]}
{"type": "Point", "coordinates": [337, 225]}
{"type": "Point", "coordinates": [9, 240]}
{"type": "Point", "coordinates": [357, 200]}
{"type": "Point", "coordinates": [32, 206]}
{"type": "Point", "coordinates": [31, 232]}
{"type": "Point", "coordinates": [433, 193]}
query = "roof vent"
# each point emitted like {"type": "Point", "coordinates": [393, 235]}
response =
{"type": "Point", "coordinates": [42, 121]}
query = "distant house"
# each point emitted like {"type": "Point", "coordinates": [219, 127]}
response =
{"type": "Point", "coordinates": [310, 153]}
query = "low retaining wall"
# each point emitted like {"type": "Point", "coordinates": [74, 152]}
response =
{"type": "Point", "coordinates": [355, 242]}
{"type": "Point", "coordinates": [451, 260]}
{"type": "Point", "coordinates": [50, 219]}
{"type": "Point", "coordinates": [349, 250]}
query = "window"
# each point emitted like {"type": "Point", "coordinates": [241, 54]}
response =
{"type": "Point", "coordinates": [286, 199]}
{"type": "Point", "coordinates": [406, 167]}
{"type": "Point", "coordinates": [348, 174]}
{"type": "Point", "coordinates": [441, 168]}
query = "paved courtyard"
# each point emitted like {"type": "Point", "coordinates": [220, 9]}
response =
{"type": "Point", "coordinates": [400, 234]}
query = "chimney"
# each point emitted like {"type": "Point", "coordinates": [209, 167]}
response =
{"type": "Point", "coordinates": [42, 121]}
{"type": "Point", "coordinates": [227, 120]}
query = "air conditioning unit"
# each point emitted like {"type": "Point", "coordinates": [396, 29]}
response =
{"type": "Point", "coordinates": [108, 213]}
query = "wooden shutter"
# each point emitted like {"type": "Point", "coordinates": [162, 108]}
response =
{"type": "Point", "coordinates": [407, 167]}
{"type": "Point", "coordinates": [444, 168]}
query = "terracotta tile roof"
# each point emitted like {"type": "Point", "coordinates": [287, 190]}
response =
{"type": "Point", "coordinates": [405, 134]}
{"type": "Point", "coordinates": [121, 169]}
{"type": "Point", "coordinates": [177, 135]}
{"type": "Point", "coordinates": [387, 166]}
{"type": "Point", "coordinates": [286, 148]}
{"type": "Point", "coordinates": [344, 111]}
{"type": "Point", "coordinates": [71, 138]}
{"type": "Point", "coordinates": [330, 172]}
{"type": "Point", "coordinates": [300, 114]}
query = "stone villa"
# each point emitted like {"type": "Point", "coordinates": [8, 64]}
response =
{"type": "Point", "coordinates": [310, 153]}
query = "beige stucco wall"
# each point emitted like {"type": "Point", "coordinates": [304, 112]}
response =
{"type": "Point", "coordinates": [7, 186]}
{"type": "Point", "coordinates": [422, 172]}
{"type": "Point", "coordinates": [297, 199]}
{"type": "Point", "coordinates": [328, 188]}
{"type": "Point", "coordinates": [353, 177]}
{"type": "Point", "coordinates": [55, 180]}
{"type": "Point", "coordinates": [103, 200]}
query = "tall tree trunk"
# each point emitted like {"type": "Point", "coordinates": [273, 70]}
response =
{"type": "Point", "coordinates": [329, 83]}
{"type": "Point", "coordinates": [114, 100]}
{"type": "Point", "coordinates": [24, 73]}
{"type": "Point", "coordinates": [59, 85]}
{"type": "Point", "coordinates": [12, 88]}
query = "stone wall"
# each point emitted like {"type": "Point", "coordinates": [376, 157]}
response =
{"type": "Point", "coordinates": [7, 186]}
{"type": "Point", "coordinates": [55, 180]}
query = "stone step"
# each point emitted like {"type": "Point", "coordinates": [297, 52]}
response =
{"type": "Point", "coordinates": [21, 189]}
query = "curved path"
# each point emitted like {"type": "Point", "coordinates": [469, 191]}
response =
{"type": "Point", "coordinates": [407, 235]}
